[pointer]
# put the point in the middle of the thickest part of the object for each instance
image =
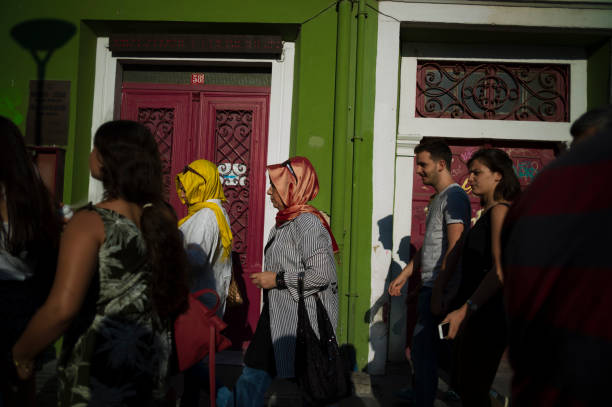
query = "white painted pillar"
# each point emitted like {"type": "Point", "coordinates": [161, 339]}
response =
{"type": "Point", "coordinates": [383, 170]}
{"type": "Point", "coordinates": [402, 224]}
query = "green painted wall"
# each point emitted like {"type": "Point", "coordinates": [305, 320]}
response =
{"type": "Point", "coordinates": [75, 61]}
{"type": "Point", "coordinates": [361, 214]}
{"type": "Point", "coordinates": [598, 75]}
{"type": "Point", "coordinates": [313, 100]}
{"type": "Point", "coordinates": [313, 108]}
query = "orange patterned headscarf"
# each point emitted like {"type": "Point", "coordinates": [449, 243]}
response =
{"type": "Point", "coordinates": [297, 183]}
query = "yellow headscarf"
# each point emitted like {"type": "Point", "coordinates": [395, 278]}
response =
{"type": "Point", "coordinates": [200, 181]}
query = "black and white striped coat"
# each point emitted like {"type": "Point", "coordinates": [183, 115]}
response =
{"type": "Point", "coordinates": [302, 244]}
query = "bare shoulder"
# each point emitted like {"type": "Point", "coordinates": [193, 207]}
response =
{"type": "Point", "coordinates": [498, 212]}
{"type": "Point", "coordinates": [85, 223]}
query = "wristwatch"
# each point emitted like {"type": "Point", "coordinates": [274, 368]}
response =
{"type": "Point", "coordinates": [471, 305]}
{"type": "Point", "coordinates": [280, 280]}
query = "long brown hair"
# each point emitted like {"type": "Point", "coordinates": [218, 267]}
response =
{"type": "Point", "coordinates": [132, 170]}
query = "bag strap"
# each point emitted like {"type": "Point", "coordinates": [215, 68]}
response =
{"type": "Point", "coordinates": [211, 366]}
{"type": "Point", "coordinates": [302, 313]}
{"type": "Point", "coordinates": [301, 285]}
{"type": "Point", "coordinates": [203, 291]}
{"type": "Point", "coordinates": [212, 343]}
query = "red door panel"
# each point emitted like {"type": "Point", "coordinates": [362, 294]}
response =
{"type": "Point", "coordinates": [168, 116]}
{"type": "Point", "coordinates": [228, 126]}
{"type": "Point", "coordinates": [239, 125]}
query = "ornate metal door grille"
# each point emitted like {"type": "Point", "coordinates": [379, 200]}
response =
{"type": "Point", "coordinates": [493, 91]}
{"type": "Point", "coordinates": [233, 130]}
{"type": "Point", "coordinates": [160, 121]}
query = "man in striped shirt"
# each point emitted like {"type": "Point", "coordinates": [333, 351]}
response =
{"type": "Point", "coordinates": [558, 280]}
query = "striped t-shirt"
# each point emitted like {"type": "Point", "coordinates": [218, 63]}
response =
{"type": "Point", "coordinates": [558, 281]}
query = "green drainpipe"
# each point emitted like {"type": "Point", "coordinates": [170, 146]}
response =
{"type": "Point", "coordinates": [340, 146]}
{"type": "Point", "coordinates": [357, 179]}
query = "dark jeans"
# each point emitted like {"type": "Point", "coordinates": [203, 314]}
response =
{"type": "Point", "coordinates": [195, 378]}
{"type": "Point", "coordinates": [249, 391]}
{"type": "Point", "coordinates": [425, 349]}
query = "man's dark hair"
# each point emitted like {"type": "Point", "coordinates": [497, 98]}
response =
{"type": "Point", "coordinates": [437, 149]}
{"type": "Point", "coordinates": [595, 119]}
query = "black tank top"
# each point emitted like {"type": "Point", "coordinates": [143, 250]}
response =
{"type": "Point", "coordinates": [477, 258]}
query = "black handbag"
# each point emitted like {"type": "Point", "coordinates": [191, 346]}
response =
{"type": "Point", "coordinates": [320, 370]}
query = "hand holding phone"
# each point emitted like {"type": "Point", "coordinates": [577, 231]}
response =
{"type": "Point", "coordinates": [443, 329]}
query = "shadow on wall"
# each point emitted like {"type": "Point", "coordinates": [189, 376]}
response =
{"type": "Point", "coordinates": [41, 38]}
{"type": "Point", "coordinates": [379, 315]}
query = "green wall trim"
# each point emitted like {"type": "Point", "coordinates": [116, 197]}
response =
{"type": "Point", "coordinates": [361, 214]}
{"type": "Point", "coordinates": [342, 149]}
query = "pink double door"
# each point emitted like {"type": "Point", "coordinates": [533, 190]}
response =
{"type": "Point", "coordinates": [227, 125]}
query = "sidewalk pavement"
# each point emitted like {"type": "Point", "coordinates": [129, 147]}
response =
{"type": "Point", "coordinates": [370, 390]}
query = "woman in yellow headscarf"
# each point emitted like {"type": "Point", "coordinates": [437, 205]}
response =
{"type": "Point", "coordinates": [206, 227]}
{"type": "Point", "coordinates": [208, 239]}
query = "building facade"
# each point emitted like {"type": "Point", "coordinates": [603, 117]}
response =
{"type": "Point", "coordinates": [352, 85]}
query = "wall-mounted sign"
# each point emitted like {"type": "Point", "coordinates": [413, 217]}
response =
{"type": "Point", "coordinates": [197, 78]}
{"type": "Point", "coordinates": [48, 113]}
{"type": "Point", "coordinates": [216, 44]}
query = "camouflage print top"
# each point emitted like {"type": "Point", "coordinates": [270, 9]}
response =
{"type": "Point", "coordinates": [116, 351]}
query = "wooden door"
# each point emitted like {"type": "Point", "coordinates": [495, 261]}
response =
{"type": "Point", "coordinates": [226, 125]}
{"type": "Point", "coordinates": [168, 116]}
{"type": "Point", "coordinates": [236, 126]}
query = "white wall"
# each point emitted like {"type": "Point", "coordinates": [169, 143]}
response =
{"type": "Point", "coordinates": [499, 15]}
{"type": "Point", "coordinates": [383, 170]}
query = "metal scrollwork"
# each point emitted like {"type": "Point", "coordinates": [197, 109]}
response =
{"type": "Point", "coordinates": [233, 174]}
{"type": "Point", "coordinates": [160, 121]}
{"type": "Point", "coordinates": [492, 91]}
{"type": "Point", "coordinates": [233, 133]}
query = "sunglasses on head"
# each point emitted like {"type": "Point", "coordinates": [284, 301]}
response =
{"type": "Point", "coordinates": [189, 169]}
{"type": "Point", "coordinates": [287, 164]}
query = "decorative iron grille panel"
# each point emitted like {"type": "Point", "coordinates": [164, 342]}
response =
{"type": "Point", "coordinates": [160, 121]}
{"type": "Point", "coordinates": [233, 131]}
{"type": "Point", "coordinates": [493, 91]}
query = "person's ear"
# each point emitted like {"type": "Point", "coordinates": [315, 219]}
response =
{"type": "Point", "coordinates": [441, 165]}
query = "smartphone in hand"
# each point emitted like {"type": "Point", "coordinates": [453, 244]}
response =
{"type": "Point", "coordinates": [443, 329]}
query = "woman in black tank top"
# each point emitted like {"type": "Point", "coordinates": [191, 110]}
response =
{"type": "Point", "coordinates": [479, 324]}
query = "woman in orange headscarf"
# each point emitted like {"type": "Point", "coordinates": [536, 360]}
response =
{"type": "Point", "coordinates": [301, 242]}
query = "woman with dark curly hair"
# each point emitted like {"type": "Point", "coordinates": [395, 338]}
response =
{"type": "Point", "coordinates": [30, 227]}
{"type": "Point", "coordinates": [121, 280]}
{"type": "Point", "coordinates": [479, 324]}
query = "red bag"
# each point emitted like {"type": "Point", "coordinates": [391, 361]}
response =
{"type": "Point", "coordinates": [197, 334]}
